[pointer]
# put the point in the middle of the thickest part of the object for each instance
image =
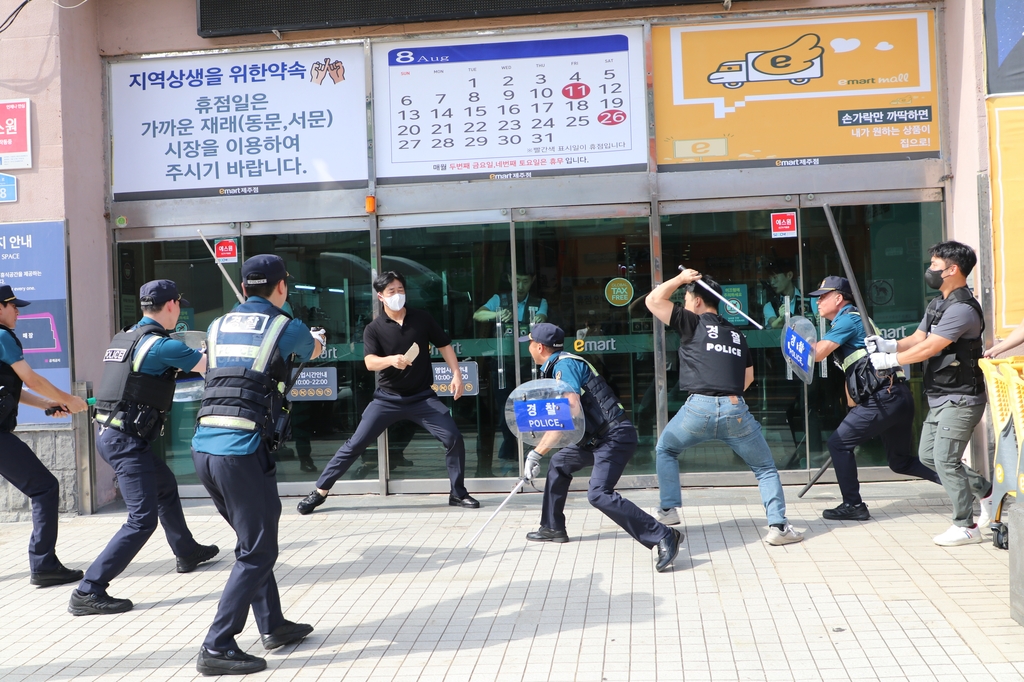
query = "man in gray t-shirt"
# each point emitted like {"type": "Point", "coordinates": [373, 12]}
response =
{"type": "Point", "coordinates": [949, 343]}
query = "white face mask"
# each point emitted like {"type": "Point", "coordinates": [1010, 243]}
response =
{"type": "Point", "coordinates": [396, 302]}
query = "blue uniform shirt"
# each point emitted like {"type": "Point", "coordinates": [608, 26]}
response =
{"type": "Point", "coordinates": [847, 330]}
{"type": "Point", "coordinates": [167, 353]}
{"type": "Point", "coordinates": [572, 372]}
{"type": "Point", "coordinates": [217, 441]}
{"type": "Point", "coordinates": [9, 351]}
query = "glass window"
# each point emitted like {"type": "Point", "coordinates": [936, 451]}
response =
{"type": "Point", "coordinates": [590, 277]}
{"type": "Point", "coordinates": [461, 275]}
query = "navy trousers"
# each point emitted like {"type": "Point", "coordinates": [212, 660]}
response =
{"type": "Point", "coordinates": [150, 492]}
{"type": "Point", "coordinates": [20, 466]}
{"type": "Point", "coordinates": [889, 415]}
{"type": "Point", "coordinates": [386, 408]}
{"type": "Point", "coordinates": [244, 490]}
{"type": "Point", "coordinates": [609, 458]}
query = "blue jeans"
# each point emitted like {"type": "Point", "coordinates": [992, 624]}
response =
{"type": "Point", "coordinates": [705, 418]}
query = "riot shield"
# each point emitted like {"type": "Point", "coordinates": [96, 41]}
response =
{"type": "Point", "coordinates": [537, 408]}
{"type": "Point", "coordinates": [189, 389]}
{"type": "Point", "coordinates": [798, 340]}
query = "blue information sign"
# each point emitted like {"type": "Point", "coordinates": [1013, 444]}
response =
{"type": "Point", "coordinates": [32, 262]}
{"type": "Point", "coordinates": [798, 350]}
{"type": "Point", "coordinates": [8, 188]}
{"type": "Point", "coordinates": [551, 414]}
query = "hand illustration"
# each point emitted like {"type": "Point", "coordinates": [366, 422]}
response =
{"type": "Point", "coordinates": [337, 71]}
{"type": "Point", "coordinates": [318, 71]}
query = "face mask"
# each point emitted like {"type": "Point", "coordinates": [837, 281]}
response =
{"type": "Point", "coordinates": [396, 302]}
{"type": "Point", "coordinates": [933, 278]}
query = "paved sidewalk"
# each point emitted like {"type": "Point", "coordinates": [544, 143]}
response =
{"type": "Point", "coordinates": [394, 595]}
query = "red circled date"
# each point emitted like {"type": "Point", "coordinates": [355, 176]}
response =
{"type": "Point", "coordinates": [576, 90]}
{"type": "Point", "coordinates": [611, 117]}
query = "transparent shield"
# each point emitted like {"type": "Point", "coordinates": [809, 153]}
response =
{"type": "Point", "coordinates": [538, 408]}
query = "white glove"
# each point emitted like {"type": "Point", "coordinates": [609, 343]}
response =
{"type": "Point", "coordinates": [876, 344]}
{"type": "Point", "coordinates": [319, 334]}
{"type": "Point", "coordinates": [884, 360]}
{"type": "Point", "coordinates": [532, 466]}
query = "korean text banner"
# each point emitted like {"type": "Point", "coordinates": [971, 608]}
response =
{"type": "Point", "coordinates": [795, 92]}
{"type": "Point", "coordinates": [510, 107]}
{"type": "Point", "coordinates": [32, 262]}
{"type": "Point", "coordinates": [286, 120]}
{"type": "Point", "coordinates": [1006, 149]}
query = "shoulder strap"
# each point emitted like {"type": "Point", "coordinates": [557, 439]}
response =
{"type": "Point", "coordinates": [570, 356]}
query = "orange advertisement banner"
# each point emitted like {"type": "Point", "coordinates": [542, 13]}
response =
{"type": "Point", "coordinates": [1006, 149]}
{"type": "Point", "coordinates": [795, 92]}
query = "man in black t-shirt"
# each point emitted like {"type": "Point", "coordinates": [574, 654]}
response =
{"type": "Point", "coordinates": [403, 390]}
{"type": "Point", "coordinates": [715, 367]}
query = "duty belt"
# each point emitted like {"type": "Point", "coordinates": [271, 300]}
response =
{"type": "Point", "coordinates": [603, 431]}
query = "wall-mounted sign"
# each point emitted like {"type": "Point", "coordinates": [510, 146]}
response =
{"type": "Point", "coordinates": [8, 188]}
{"type": "Point", "coordinates": [1006, 150]}
{"type": "Point", "coordinates": [784, 224]}
{"type": "Point", "coordinates": [443, 379]}
{"type": "Point", "coordinates": [285, 120]}
{"type": "Point", "coordinates": [510, 107]}
{"type": "Point", "coordinates": [226, 250]}
{"type": "Point", "coordinates": [315, 383]}
{"type": "Point", "coordinates": [15, 134]}
{"type": "Point", "coordinates": [736, 295]}
{"type": "Point", "coordinates": [796, 92]}
{"type": "Point", "coordinates": [32, 262]}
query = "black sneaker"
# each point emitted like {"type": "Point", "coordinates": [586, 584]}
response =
{"type": "Point", "coordinates": [83, 604]}
{"type": "Point", "coordinates": [187, 564]}
{"type": "Point", "coordinates": [59, 576]}
{"type": "Point", "coordinates": [230, 662]}
{"type": "Point", "coordinates": [307, 465]}
{"type": "Point", "coordinates": [286, 634]}
{"type": "Point", "coordinates": [311, 502]}
{"type": "Point", "coordinates": [847, 512]}
{"type": "Point", "coordinates": [548, 535]}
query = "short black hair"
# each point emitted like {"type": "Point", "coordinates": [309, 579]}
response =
{"type": "Point", "coordinates": [261, 290]}
{"type": "Point", "coordinates": [709, 299]}
{"type": "Point", "coordinates": [153, 309]}
{"type": "Point", "coordinates": [386, 278]}
{"type": "Point", "coordinates": [957, 254]}
{"type": "Point", "coordinates": [780, 265]}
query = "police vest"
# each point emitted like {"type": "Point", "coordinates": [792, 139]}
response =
{"type": "Point", "coordinates": [246, 374]}
{"type": "Point", "coordinates": [532, 301]}
{"type": "Point", "coordinates": [128, 399]}
{"type": "Point", "coordinates": [955, 370]}
{"type": "Point", "coordinates": [862, 379]}
{"type": "Point", "coordinates": [714, 362]}
{"type": "Point", "coordinates": [601, 407]}
{"type": "Point", "coordinates": [10, 391]}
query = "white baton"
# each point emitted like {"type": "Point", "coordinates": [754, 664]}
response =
{"type": "Point", "coordinates": [723, 300]}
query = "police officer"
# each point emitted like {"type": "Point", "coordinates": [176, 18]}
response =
{"type": "Point", "coordinates": [949, 342]}
{"type": "Point", "coordinates": [403, 390]}
{"type": "Point", "coordinates": [132, 401]}
{"type": "Point", "coordinates": [715, 366]}
{"type": "Point", "coordinates": [608, 444]}
{"type": "Point", "coordinates": [18, 464]}
{"type": "Point", "coordinates": [241, 421]}
{"type": "Point", "coordinates": [883, 405]}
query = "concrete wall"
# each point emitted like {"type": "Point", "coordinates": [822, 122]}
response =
{"type": "Point", "coordinates": [56, 450]}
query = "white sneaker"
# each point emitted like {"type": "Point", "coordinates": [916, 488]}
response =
{"type": "Point", "coordinates": [958, 535]}
{"type": "Point", "coordinates": [670, 517]}
{"type": "Point", "coordinates": [985, 517]}
{"type": "Point", "coordinates": [787, 536]}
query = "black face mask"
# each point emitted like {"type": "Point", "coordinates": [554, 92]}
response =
{"type": "Point", "coordinates": [933, 278]}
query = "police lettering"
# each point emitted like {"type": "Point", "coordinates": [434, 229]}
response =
{"type": "Point", "coordinates": [540, 424]}
{"type": "Point", "coordinates": [721, 348]}
{"type": "Point", "coordinates": [114, 354]}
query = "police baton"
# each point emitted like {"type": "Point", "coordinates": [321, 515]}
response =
{"type": "Point", "coordinates": [858, 299]}
{"type": "Point", "coordinates": [50, 411]}
{"type": "Point", "coordinates": [519, 486]}
{"type": "Point", "coordinates": [728, 305]}
{"type": "Point", "coordinates": [220, 265]}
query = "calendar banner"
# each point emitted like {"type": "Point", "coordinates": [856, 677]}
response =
{"type": "Point", "coordinates": [796, 92]}
{"type": "Point", "coordinates": [510, 107]}
{"type": "Point", "coordinates": [284, 120]}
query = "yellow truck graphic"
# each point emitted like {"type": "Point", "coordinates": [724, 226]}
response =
{"type": "Point", "coordinates": [798, 63]}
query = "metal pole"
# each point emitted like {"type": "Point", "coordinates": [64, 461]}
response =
{"type": "Point", "coordinates": [224, 272]}
{"type": "Point", "coordinates": [723, 300]}
{"type": "Point", "coordinates": [522, 482]}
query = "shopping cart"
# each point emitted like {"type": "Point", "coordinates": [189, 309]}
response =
{"type": "Point", "coordinates": [1006, 398]}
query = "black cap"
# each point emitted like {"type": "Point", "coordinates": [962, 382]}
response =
{"type": "Point", "coordinates": [263, 269]}
{"type": "Point", "coordinates": [7, 297]}
{"type": "Point", "coordinates": [834, 283]}
{"type": "Point", "coordinates": [548, 334]}
{"type": "Point", "coordinates": [160, 291]}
